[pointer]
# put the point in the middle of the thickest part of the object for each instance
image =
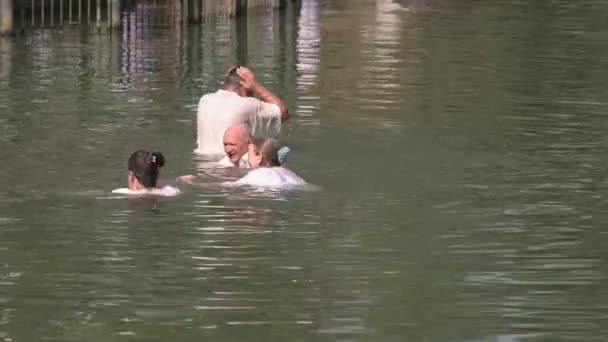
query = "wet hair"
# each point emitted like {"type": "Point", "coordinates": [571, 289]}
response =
{"type": "Point", "coordinates": [232, 79]}
{"type": "Point", "coordinates": [268, 148]}
{"type": "Point", "coordinates": [145, 165]}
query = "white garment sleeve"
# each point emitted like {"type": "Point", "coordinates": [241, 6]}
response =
{"type": "Point", "coordinates": [268, 111]}
{"type": "Point", "coordinates": [265, 119]}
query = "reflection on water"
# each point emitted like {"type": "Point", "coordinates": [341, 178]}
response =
{"type": "Point", "coordinates": [458, 145]}
{"type": "Point", "coordinates": [308, 46]}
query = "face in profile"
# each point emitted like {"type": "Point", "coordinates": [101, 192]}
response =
{"type": "Point", "coordinates": [255, 157]}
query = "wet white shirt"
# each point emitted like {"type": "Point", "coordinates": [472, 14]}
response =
{"type": "Point", "coordinates": [275, 177]}
{"type": "Point", "coordinates": [243, 162]}
{"type": "Point", "coordinates": [164, 191]}
{"type": "Point", "coordinates": [222, 109]}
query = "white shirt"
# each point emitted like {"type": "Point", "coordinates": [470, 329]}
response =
{"type": "Point", "coordinates": [222, 109]}
{"type": "Point", "coordinates": [243, 162]}
{"type": "Point", "coordinates": [164, 191]}
{"type": "Point", "coordinates": [274, 177]}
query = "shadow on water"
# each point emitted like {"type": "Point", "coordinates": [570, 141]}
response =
{"type": "Point", "coordinates": [458, 145]}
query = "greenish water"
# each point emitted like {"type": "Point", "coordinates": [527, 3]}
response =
{"type": "Point", "coordinates": [459, 145]}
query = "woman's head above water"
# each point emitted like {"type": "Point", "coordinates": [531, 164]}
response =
{"type": "Point", "coordinates": [264, 152]}
{"type": "Point", "coordinates": [144, 169]}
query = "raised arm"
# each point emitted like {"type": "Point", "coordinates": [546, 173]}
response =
{"type": "Point", "coordinates": [250, 83]}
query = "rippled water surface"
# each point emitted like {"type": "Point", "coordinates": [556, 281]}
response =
{"type": "Point", "coordinates": [459, 145]}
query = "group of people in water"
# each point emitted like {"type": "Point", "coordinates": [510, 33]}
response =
{"type": "Point", "coordinates": [237, 127]}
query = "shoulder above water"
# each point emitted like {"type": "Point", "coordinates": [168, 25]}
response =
{"type": "Point", "coordinates": [273, 177]}
{"type": "Point", "coordinates": [164, 191]}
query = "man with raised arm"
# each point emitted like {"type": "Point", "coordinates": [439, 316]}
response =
{"type": "Point", "coordinates": [235, 104]}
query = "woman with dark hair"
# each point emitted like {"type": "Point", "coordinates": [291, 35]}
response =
{"type": "Point", "coordinates": [144, 169]}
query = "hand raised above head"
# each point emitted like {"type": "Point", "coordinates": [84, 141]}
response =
{"type": "Point", "coordinates": [248, 80]}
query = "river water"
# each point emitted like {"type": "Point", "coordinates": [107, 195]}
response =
{"type": "Point", "coordinates": [459, 145]}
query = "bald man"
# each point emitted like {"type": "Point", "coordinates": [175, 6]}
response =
{"type": "Point", "coordinates": [236, 142]}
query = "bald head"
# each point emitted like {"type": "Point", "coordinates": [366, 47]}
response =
{"type": "Point", "coordinates": [236, 142]}
{"type": "Point", "coordinates": [239, 131]}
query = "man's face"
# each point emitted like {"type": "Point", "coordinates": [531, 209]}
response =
{"type": "Point", "coordinates": [235, 146]}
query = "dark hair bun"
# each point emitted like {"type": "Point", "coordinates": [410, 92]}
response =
{"type": "Point", "coordinates": [157, 158]}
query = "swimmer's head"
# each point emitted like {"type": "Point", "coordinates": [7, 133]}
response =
{"type": "Point", "coordinates": [144, 169]}
{"type": "Point", "coordinates": [232, 82]}
{"type": "Point", "coordinates": [264, 152]}
{"type": "Point", "coordinates": [236, 142]}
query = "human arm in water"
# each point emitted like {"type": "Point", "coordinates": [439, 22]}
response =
{"type": "Point", "coordinates": [187, 179]}
{"type": "Point", "coordinates": [196, 180]}
{"type": "Point", "coordinates": [250, 83]}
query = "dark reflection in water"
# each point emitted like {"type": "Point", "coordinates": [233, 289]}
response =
{"type": "Point", "coordinates": [458, 147]}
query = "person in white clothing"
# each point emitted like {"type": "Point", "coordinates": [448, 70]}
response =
{"type": "Point", "coordinates": [236, 143]}
{"type": "Point", "coordinates": [265, 160]}
{"type": "Point", "coordinates": [143, 175]}
{"type": "Point", "coordinates": [236, 104]}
